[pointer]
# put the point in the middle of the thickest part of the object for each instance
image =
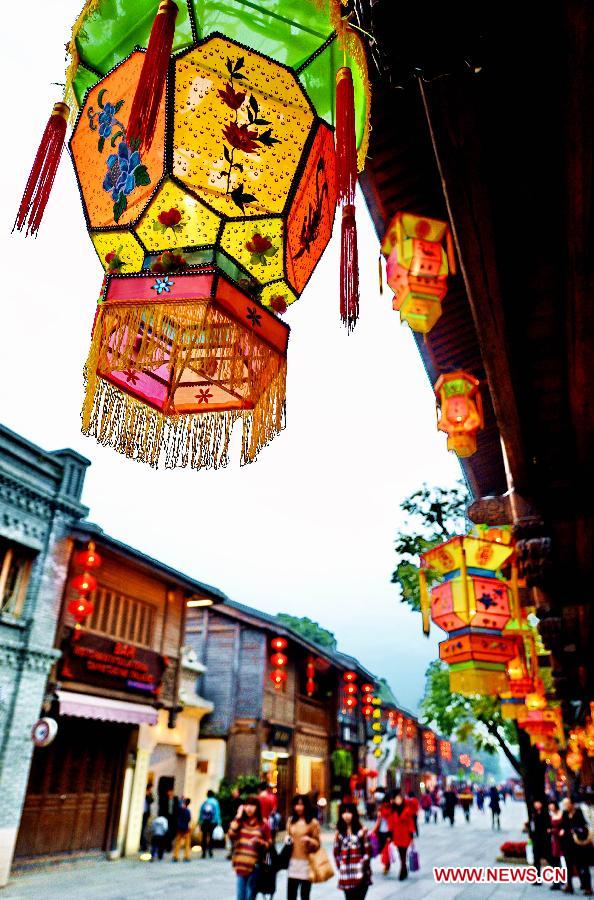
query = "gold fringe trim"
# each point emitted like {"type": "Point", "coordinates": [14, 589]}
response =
{"type": "Point", "coordinates": [176, 331]}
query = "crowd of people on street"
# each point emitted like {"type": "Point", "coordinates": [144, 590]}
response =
{"type": "Point", "coordinates": [560, 835]}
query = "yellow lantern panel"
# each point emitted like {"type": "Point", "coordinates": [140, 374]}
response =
{"type": "Point", "coordinates": [115, 181]}
{"type": "Point", "coordinates": [257, 246]}
{"type": "Point", "coordinates": [477, 679]}
{"type": "Point", "coordinates": [175, 219]}
{"type": "Point", "coordinates": [118, 251]}
{"type": "Point", "coordinates": [479, 554]}
{"type": "Point", "coordinates": [406, 227]}
{"type": "Point", "coordinates": [239, 157]}
{"type": "Point", "coordinates": [276, 295]}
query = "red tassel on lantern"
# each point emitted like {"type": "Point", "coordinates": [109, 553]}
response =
{"type": "Point", "coordinates": [149, 91]}
{"type": "Point", "coordinates": [346, 164]}
{"type": "Point", "coordinates": [43, 172]}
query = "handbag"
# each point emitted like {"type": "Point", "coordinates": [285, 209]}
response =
{"type": "Point", "coordinates": [283, 858]}
{"type": "Point", "coordinates": [218, 834]}
{"type": "Point", "coordinates": [374, 841]}
{"type": "Point", "coordinates": [320, 865]}
{"type": "Point", "coordinates": [414, 862]}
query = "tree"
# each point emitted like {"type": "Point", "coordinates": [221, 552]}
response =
{"type": "Point", "coordinates": [309, 629]}
{"type": "Point", "coordinates": [433, 515]}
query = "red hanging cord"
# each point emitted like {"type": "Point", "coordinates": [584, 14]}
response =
{"type": "Point", "coordinates": [42, 175]}
{"type": "Point", "coordinates": [149, 91]}
{"type": "Point", "coordinates": [346, 164]}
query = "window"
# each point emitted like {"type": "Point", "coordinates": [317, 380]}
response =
{"type": "Point", "coordinates": [15, 567]}
{"type": "Point", "coordinates": [122, 617]}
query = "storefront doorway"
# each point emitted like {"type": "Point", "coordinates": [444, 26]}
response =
{"type": "Point", "coordinates": [73, 795]}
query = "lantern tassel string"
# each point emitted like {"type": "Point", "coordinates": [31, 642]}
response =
{"type": "Point", "coordinates": [346, 168]}
{"type": "Point", "coordinates": [149, 91]}
{"type": "Point", "coordinates": [43, 172]}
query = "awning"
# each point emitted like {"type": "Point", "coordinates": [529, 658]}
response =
{"type": "Point", "coordinates": [87, 706]}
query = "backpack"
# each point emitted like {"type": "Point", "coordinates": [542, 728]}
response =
{"type": "Point", "coordinates": [207, 814]}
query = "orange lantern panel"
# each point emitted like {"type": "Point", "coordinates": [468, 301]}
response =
{"type": "Point", "coordinates": [468, 645]}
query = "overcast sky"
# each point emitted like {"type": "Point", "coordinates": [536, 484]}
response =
{"type": "Point", "coordinates": [309, 528]}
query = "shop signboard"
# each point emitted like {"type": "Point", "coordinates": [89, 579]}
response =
{"type": "Point", "coordinates": [280, 737]}
{"type": "Point", "coordinates": [111, 664]}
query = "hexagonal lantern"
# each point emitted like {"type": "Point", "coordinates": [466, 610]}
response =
{"type": "Point", "coordinates": [239, 181]}
{"type": "Point", "coordinates": [241, 172]}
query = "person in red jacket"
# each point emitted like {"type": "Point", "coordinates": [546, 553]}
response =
{"type": "Point", "coordinates": [402, 827]}
{"type": "Point", "coordinates": [413, 804]}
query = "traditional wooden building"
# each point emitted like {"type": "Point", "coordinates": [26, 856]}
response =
{"type": "Point", "coordinates": [122, 693]}
{"type": "Point", "coordinates": [287, 735]}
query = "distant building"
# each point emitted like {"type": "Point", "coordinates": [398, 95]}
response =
{"type": "Point", "coordinates": [297, 741]}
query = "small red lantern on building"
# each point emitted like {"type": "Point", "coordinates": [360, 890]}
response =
{"type": "Point", "coordinates": [400, 727]}
{"type": "Point", "coordinates": [350, 702]}
{"type": "Point", "coordinates": [310, 672]}
{"type": "Point", "coordinates": [445, 750]}
{"type": "Point", "coordinates": [350, 676]}
{"type": "Point", "coordinates": [278, 660]}
{"type": "Point", "coordinates": [410, 729]}
{"type": "Point", "coordinates": [81, 607]}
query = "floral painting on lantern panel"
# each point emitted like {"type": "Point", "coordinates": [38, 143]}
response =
{"type": "Point", "coordinates": [175, 218]}
{"type": "Point", "coordinates": [240, 126]}
{"type": "Point", "coordinates": [115, 178]}
{"type": "Point", "coordinates": [312, 212]}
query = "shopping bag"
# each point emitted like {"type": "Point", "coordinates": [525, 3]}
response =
{"type": "Point", "coordinates": [374, 841]}
{"type": "Point", "coordinates": [414, 863]}
{"type": "Point", "coordinates": [320, 865]}
{"type": "Point", "coordinates": [218, 834]}
{"type": "Point", "coordinates": [283, 858]}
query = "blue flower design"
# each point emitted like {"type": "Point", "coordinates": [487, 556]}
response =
{"type": "Point", "coordinates": [106, 120]}
{"type": "Point", "coordinates": [162, 285]}
{"type": "Point", "coordinates": [121, 169]}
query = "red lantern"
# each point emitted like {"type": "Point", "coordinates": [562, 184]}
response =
{"type": "Point", "coordinates": [367, 711]}
{"type": "Point", "coordinates": [310, 669]}
{"type": "Point", "coordinates": [410, 729]}
{"type": "Point", "coordinates": [80, 608]}
{"type": "Point", "coordinates": [350, 689]}
{"type": "Point", "coordinates": [350, 676]}
{"type": "Point", "coordinates": [367, 688]}
{"type": "Point", "coordinates": [445, 750]}
{"type": "Point", "coordinates": [278, 643]}
{"type": "Point", "coordinates": [278, 677]}
{"type": "Point", "coordinates": [84, 583]}
{"type": "Point", "coordinates": [279, 660]}
{"type": "Point", "coordinates": [310, 687]}
{"type": "Point", "coordinates": [400, 728]}
{"type": "Point", "coordinates": [88, 559]}
{"type": "Point", "coordinates": [350, 702]}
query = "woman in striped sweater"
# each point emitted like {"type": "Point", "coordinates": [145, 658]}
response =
{"type": "Point", "coordinates": [251, 838]}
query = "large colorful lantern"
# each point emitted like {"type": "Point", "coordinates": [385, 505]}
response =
{"type": "Point", "coordinates": [473, 605]}
{"type": "Point", "coordinates": [209, 156]}
{"type": "Point", "coordinates": [460, 411]}
{"type": "Point", "coordinates": [419, 256]}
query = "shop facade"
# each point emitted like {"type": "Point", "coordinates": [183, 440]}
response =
{"type": "Point", "coordinates": [123, 695]}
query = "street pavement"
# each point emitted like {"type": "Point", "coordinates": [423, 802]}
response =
{"type": "Point", "coordinates": [473, 844]}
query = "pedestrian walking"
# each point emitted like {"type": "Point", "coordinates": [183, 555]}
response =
{"type": "Point", "coordinates": [480, 800]}
{"type": "Point", "coordinates": [576, 844]}
{"type": "Point", "coordinates": [209, 817]}
{"type": "Point", "coordinates": [539, 825]}
{"type": "Point", "coordinates": [383, 823]}
{"type": "Point", "coordinates": [169, 806]}
{"type": "Point", "coordinates": [465, 798]}
{"type": "Point", "coordinates": [352, 853]}
{"type": "Point", "coordinates": [435, 803]}
{"type": "Point", "coordinates": [146, 812]}
{"type": "Point", "coordinates": [183, 834]}
{"type": "Point", "coordinates": [413, 805]}
{"type": "Point", "coordinates": [303, 836]}
{"type": "Point", "coordinates": [449, 804]}
{"type": "Point", "coordinates": [269, 806]}
{"type": "Point", "coordinates": [555, 819]}
{"type": "Point", "coordinates": [251, 838]}
{"type": "Point", "coordinates": [426, 805]}
{"type": "Point", "coordinates": [495, 808]}
{"type": "Point", "coordinates": [402, 827]}
{"type": "Point", "coordinates": [159, 829]}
